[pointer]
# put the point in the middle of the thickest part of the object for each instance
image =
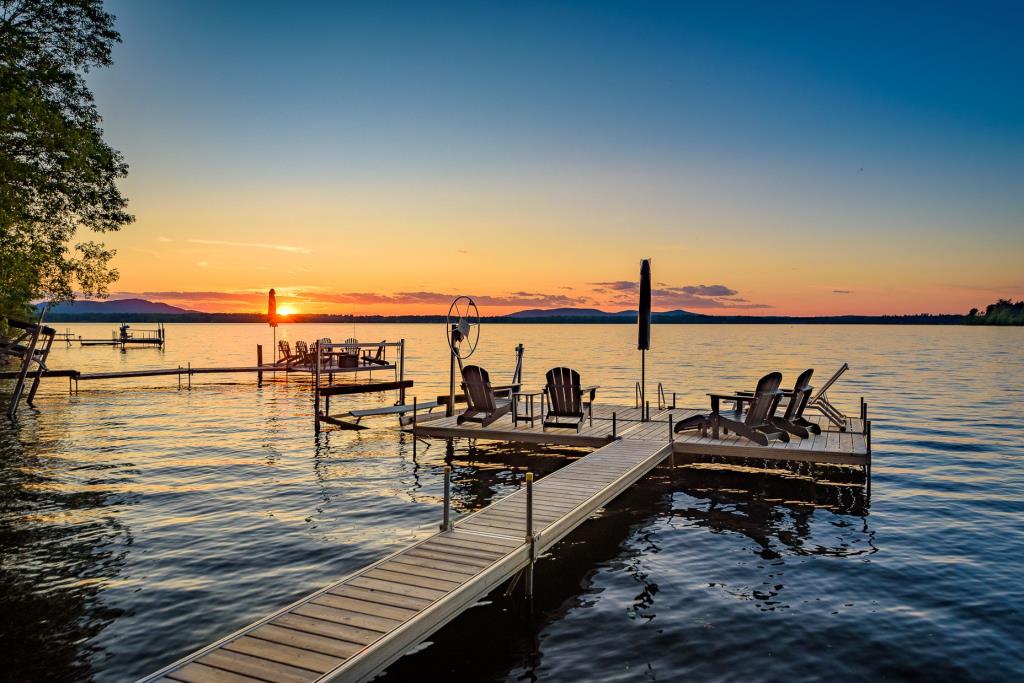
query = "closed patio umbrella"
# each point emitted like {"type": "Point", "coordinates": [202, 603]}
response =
{"type": "Point", "coordinates": [644, 328]}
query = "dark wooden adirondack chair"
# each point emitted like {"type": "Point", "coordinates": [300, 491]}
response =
{"type": "Point", "coordinates": [757, 425]}
{"type": "Point", "coordinates": [284, 352]}
{"type": "Point", "coordinates": [377, 358]}
{"type": "Point", "coordinates": [565, 399]}
{"type": "Point", "coordinates": [483, 406]}
{"type": "Point", "coordinates": [793, 420]}
{"type": "Point", "coordinates": [302, 354]}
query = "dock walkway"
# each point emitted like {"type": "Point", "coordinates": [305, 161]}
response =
{"type": "Point", "coordinates": [356, 627]}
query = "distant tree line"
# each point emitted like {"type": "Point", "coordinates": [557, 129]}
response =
{"type": "Point", "coordinates": [1002, 312]}
{"type": "Point", "coordinates": [916, 319]}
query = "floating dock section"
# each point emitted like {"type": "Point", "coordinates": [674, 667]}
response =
{"type": "Point", "coordinates": [353, 629]}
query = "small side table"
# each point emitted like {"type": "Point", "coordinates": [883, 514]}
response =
{"type": "Point", "coordinates": [527, 397]}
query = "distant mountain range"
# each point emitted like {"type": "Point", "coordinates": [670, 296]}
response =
{"type": "Point", "coordinates": [565, 313]}
{"type": "Point", "coordinates": [141, 310]}
{"type": "Point", "coordinates": [116, 307]}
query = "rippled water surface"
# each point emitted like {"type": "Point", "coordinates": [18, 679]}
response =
{"type": "Point", "coordinates": [139, 521]}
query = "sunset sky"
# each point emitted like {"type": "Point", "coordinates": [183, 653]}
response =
{"type": "Point", "coordinates": [792, 158]}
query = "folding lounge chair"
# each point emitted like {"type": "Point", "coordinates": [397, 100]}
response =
{"type": "Point", "coordinates": [565, 399]}
{"type": "Point", "coordinates": [821, 403]}
{"type": "Point", "coordinates": [757, 425]}
{"type": "Point", "coordinates": [483, 406]}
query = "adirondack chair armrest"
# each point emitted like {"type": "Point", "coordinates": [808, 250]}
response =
{"type": "Point", "coordinates": [592, 390]}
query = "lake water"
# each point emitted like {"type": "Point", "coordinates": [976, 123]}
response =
{"type": "Point", "coordinates": [139, 522]}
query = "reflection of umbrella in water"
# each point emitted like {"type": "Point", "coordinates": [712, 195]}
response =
{"type": "Point", "coordinates": [644, 327]}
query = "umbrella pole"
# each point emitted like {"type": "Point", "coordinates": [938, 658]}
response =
{"type": "Point", "coordinates": [643, 384]}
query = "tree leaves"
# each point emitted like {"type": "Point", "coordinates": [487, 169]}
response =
{"type": "Point", "coordinates": [57, 174]}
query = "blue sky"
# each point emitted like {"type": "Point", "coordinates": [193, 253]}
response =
{"type": "Point", "coordinates": [886, 134]}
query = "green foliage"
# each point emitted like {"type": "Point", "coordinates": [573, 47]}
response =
{"type": "Point", "coordinates": [1002, 312]}
{"type": "Point", "coordinates": [57, 175]}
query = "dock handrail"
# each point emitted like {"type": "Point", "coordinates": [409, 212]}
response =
{"type": "Point", "coordinates": [358, 345]}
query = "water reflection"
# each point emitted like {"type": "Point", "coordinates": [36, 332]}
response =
{"type": "Point", "coordinates": [61, 548]}
{"type": "Point", "coordinates": [502, 638]}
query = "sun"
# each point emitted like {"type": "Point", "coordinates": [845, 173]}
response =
{"type": "Point", "coordinates": [287, 310]}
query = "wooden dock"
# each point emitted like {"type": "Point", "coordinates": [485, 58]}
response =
{"type": "Point", "coordinates": [850, 447]}
{"type": "Point", "coordinates": [356, 627]}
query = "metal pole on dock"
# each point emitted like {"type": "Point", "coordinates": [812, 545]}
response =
{"type": "Point", "coordinates": [529, 535]}
{"type": "Point", "coordinates": [647, 411]}
{"type": "Point", "coordinates": [614, 415]}
{"type": "Point", "coordinates": [316, 394]}
{"type": "Point", "coordinates": [671, 440]}
{"type": "Point", "coordinates": [401, 371]}
{"type": "Point", "coordinates": [446, 523]}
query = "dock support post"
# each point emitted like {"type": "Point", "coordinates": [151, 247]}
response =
{"type": "Point", "coordinates": [614, 415]}
{"type": "Point", "coordinates": [190, 375]}
{"type": "Point", "coordinates": [671, 439]}
{"type": "Point", "coordinates": [449, 409]}
{"type": "Point", "coordinates": [414, 437]}
{"type": "Point", "coordinates": [446, 522]}
{"type": "Point", "coordinates": [316, 393]}
{"type": "Point", "coordinates": [673, 400]}
{"type": "Point", "coordinates": [529, 535]}
{"type": "Point", "coordinates": [259, 364]}
{"type": "Point", "coordinates": [647, 411]}
{"type": "Point", "coordinates": [401, 371]}
{"type": "Point", "coordinates": [179, 376]}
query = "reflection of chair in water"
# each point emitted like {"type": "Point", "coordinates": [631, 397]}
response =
{"type": "Point", "coordinates": [758, 424]}
{"type": "Point", "coordinates": [565, 399]}
{"type": "Point", "coordinates": [483, 405]}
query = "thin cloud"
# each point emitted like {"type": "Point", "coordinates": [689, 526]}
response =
{"type": "Point", "coordinates": [842, 291]}
{"type": "Point", "coordinates": [617, 285]}
{"type": "Point", "coordinates": [667, 296]}
{"type": "Point", "coordinates": [291, 249]}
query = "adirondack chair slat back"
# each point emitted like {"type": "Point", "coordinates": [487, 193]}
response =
{"type": "Point", "coordinates": [764, 398]}
{"type": "Point", "coordinates": [301, 350]}
{"type": "Point", "coordinates": [284, 349]}
{"type": "Point", "coordinates": [477, 385]}
{"type": "Point", "coordinates": [801, 395]}
{"type": "Point", "coordinates": [564, 391]}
